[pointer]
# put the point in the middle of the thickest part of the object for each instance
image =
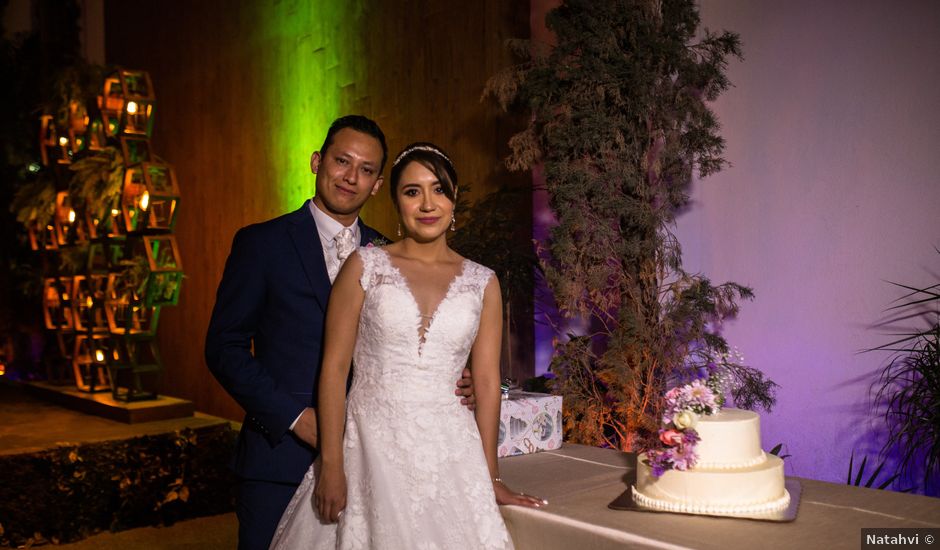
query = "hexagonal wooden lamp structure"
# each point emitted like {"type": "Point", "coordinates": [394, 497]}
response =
{"type": "Point", "coordinates": [135, 368]}
{"type": "Point", "coordinates": [166, 271]}
{"type": "Point", "coordinates": [104, 257]}
{"type": "Point", "coordinates": [111, 226]}
{"type": "Point", "coordinates": [88, 299]}
{"type": "Point", "coordinates": [89, 362]}
{"type": "Point", "coordinates": [124, 306]}
{"type": "Point", "coordinates": [135, 149]}
{"type": "Point", "coordinates": [149, 198]}
{"type": "Point", "coordinates": [111, 104]}
{"type": "Point", "coordinates": [57, 304]}
{"type": "Point", "coordinates": [134, 200]}
{"type": "Point", "coordinates": [69, 225]}
{"type": "Point", "coordinates": [139, 102]}
{"type": "Point", "coordinates": [163, 196]}
{"type": "Point", "coordinates": [52, 147]}
{"type": "Point", "coordinates": [42, 237]}
{"type": "Point", "coordinates": [78, 127]}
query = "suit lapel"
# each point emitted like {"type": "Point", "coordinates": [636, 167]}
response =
{"type": "Point", "coordinates": [306, 239]}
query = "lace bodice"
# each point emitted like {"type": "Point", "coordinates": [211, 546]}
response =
{"type": "Point", "coordinates": [411, 357]}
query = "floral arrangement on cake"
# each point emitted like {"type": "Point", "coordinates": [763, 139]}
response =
{"type": "Point", "coordinates": [677, 437]}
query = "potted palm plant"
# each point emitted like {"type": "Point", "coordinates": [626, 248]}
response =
{"type": "Point", "coordinates": [907, 390]}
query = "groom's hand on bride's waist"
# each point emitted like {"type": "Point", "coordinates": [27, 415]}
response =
{"type": "Point", "coordinates": [306, 427]}
{"type": "Point", "coordinates": [465, 390]}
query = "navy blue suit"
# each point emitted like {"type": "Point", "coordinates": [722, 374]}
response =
{"type": "Point", "coordinates": [273, 295]}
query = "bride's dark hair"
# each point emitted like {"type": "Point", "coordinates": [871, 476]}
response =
{"type": "Point", "coordinates": [431, 157]}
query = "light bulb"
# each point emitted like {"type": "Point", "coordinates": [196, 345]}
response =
{"type": "Point", "coordinates": [144, 200]}
{"type": "Point", "coordinates": [99, 356]}
{"type": "Point", "coordinates": [131, 107]}
{"type": "Point", "coordinates": [71, 216]}
{"type": "Point", "coordinates": [63, 141]}
{"type": "Point", "coordinates": [115, 211]}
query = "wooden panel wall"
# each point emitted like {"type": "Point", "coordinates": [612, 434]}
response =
{"type": "Point", "coordinates": [428, 61]}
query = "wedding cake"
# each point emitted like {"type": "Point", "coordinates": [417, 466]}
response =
{"type": "Point", "coordinates": [730, 473]}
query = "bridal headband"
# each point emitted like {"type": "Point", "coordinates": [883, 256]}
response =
{"type": "Point", "coordinates": [428, 148]}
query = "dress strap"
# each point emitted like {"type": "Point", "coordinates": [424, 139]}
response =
{"type": "Point", "coordinates": [475, 278]}
{"type": "Point", "coordinates": [376, 268]}
{"type": "Point", "coordinates": [367, 255]}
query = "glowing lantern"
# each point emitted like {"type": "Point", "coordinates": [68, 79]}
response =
{"type": "Point", "coordinates": [127, 102]}
{"type": "Point", "coordinates": [110, 225]}
{"type": "Point", "coordinates": [150, 198]}
{"type": "Point", "coordinates": [52, 148]}
{"type": "Point", "coordinates": [57, 304]}
{"type": "Point", "coordinates": [88, 297]}
{"type": "Point", "coordinates": [88, 362]}
{"type": "Point", "coordinates": [126, 311]}
{"type": "Point", "coordinates": [111, 103]}
{"type": "Point", "coordinates": [78, 126]}
{"type": "Point", "coordinates": [96, 135]}
{"type": "Point", "coordinates": [132, 199]}
{"type": "Point", "coordinates": [67, 229]}
{"type": "Point", "coordinates": [135, 368]}
{"type": "Point", "coordinates": [161, 199]}
{"type": "Point", "coordinates": [42, 236]}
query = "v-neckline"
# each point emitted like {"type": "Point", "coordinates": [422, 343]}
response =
{"type": "Point", "coordinates": [423, 336]}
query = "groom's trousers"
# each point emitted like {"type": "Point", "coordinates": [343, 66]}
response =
{"type": "Point", "coordinates": [259, 509]}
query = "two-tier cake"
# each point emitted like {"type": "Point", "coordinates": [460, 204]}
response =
{"type": "Point", "coordinates": [732, 475]}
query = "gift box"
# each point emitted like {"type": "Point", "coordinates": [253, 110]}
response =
{"type": "Point", "coordinates": [528, 423]}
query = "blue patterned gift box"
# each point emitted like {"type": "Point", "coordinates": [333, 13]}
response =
{"type": "Point", "coordinates": [528, 423]}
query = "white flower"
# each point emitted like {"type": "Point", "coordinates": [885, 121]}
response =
{"type": "Point", "coordinates": [685, 419]}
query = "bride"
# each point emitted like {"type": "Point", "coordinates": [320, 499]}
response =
{"type": "Point", "coordinates": [402, 464]}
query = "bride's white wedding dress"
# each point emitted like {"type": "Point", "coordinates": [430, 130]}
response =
{"type": "Point", "coordinates": [415, 470]}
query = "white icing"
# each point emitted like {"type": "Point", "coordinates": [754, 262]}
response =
{"type": "Point", "coordinates": [729, 439]}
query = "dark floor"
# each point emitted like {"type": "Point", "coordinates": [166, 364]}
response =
{"type": "Point", "coordinates": [209, 533]}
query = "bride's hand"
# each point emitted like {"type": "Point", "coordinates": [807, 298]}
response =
{"type": "Point", "coordinates": [330, 493]}
{"type": "Point", "coordinates": [505, 495]}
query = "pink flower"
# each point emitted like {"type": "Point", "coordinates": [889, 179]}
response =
{"type": "Point", "coordinates": [672, 395]}
{"type": "Point", "coordinates": [670, 437]}
{"type": "Point", "coordinates": [369, 245]}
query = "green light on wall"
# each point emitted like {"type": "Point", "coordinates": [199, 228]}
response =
{"type": "Point", "coordinates": [311, 60]}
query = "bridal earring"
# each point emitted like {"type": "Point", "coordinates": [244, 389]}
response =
{"type": "Point", "coordinates": [453, 222]}
{"type": "Point", "coordinates": [399, 229]}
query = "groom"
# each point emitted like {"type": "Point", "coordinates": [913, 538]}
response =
{"type": "Point", "coordinates": [265, 338]}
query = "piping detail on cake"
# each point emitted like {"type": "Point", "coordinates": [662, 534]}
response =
{"type": "Point", "coordinates": [705, 508]}
{"type": "Point", "coordinates": [700, 465]}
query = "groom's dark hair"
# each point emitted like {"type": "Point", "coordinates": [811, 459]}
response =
{"type": "Point", "coordinates": [360, 124]}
